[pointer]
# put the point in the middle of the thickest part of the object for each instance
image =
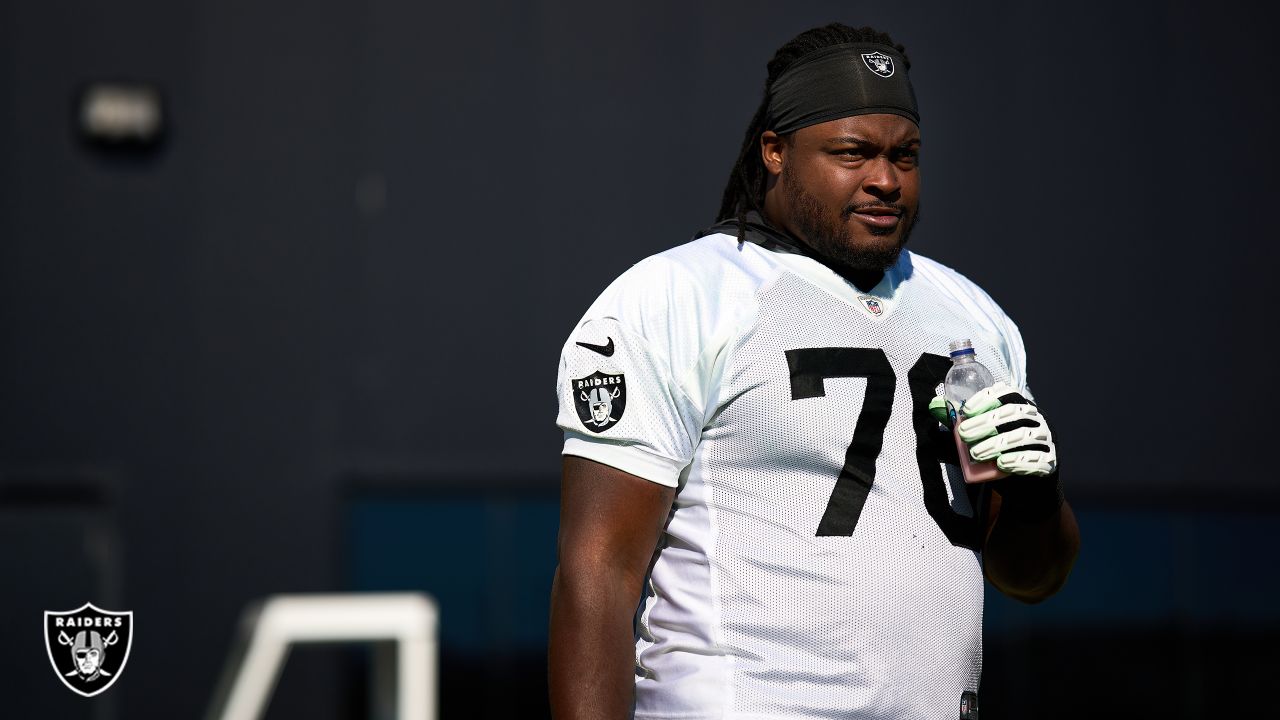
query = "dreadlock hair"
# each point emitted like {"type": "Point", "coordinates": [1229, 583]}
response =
{"type": "Point", "coordinates": [745, 190]}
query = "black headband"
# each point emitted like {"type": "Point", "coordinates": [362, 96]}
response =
{"type": "Point", "coordinates": [839, 81]}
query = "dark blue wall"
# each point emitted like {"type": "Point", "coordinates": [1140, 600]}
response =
{"type": "Point", "coordinates": [374, 223]}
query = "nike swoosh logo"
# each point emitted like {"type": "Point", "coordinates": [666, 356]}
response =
{"type": "Point", "coordinates": [605, 350]}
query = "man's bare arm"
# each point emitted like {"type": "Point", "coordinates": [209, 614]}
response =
{"type": "Point", "coordinates": [610, 523]}
{"type": "Point", "coordinates": [1031, 546]}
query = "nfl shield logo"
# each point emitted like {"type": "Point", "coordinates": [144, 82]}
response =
{"type": "Point", "coordinates": [872, 305]}
{"type": "Point", "coordinates": [879, 63]}
{"type": "Point", "coordinates": [88, 647]}
{"type": "Point", "coordinates": [599, 399]}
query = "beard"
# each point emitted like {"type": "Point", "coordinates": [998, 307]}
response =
{"type": "Point", "coordinates": [833, 239]}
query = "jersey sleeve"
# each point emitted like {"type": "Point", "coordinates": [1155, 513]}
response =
{"type": "Point", "coordinates": [988, 313]}
{"type": "Point", "coordinates": [1017, 356]}
{"type": "Point", "coordinates": [630, 383]}
{"type": "Point", "coordinates": [1015, 353]}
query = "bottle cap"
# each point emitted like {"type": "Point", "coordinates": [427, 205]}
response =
{"type": "Point", "coordinates": [961, 347]}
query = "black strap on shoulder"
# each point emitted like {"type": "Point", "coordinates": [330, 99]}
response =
{"type": "Point", "coordinates": [758, 232]}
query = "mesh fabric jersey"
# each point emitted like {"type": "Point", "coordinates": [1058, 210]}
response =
{"type": "Point", "coordinates": [821, 559]}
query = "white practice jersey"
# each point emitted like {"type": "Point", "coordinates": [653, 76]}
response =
{"type": "Point", "coordinates": [821, 560]}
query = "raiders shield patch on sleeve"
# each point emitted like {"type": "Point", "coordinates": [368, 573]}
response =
{"type": "Point", "coordinates": [600, 399]}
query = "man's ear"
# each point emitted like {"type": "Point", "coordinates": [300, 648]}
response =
{"type": "Point", "coordinates": [773, 151]}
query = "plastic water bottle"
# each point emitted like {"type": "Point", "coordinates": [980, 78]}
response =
{"type": "Point", "coordinates": [965, 378]}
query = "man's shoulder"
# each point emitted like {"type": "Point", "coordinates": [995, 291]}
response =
{"type": "Point", "coordinates": [713, 254]}
{"type": "Point", "coordinates": [976, 303]}
{"type": "Point", "coordinates": [708, 265]}
{"type": "Point", "coordinates": [704, 286]}
{"type": "Point", "coordinates": [935, 271]}
{"type": "Point", "coordinates": [948, 280]}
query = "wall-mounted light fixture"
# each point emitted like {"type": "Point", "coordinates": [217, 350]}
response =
{"type": "Point", "coordinates": [121, 117]}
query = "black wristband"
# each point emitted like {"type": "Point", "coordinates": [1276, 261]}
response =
{"type": "Point", "coordinates": [1029, 500]}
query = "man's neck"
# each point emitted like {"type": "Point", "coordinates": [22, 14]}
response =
{"type": "Point", "coordinates": [864, 280]}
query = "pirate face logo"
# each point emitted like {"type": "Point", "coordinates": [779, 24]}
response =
{"type": "Point", "coordinates": [88, 647]}
{"type": "Point", "coordinates": [878, 63]}
{"type": "Point", "coordinates": [599, 399]}
{"type": "Point", "coordinates": [601, 403]}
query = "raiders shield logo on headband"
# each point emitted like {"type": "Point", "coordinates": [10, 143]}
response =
{"type": "Point", "coordinates": [879, 63]}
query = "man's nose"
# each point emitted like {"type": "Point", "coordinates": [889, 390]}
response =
{"type": "Point", "coordinates": [881, 179]}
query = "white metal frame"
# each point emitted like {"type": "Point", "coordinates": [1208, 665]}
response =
{"type": "Point", "coordinates": [269, 628]}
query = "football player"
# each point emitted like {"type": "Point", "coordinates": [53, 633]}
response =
{"type": "Point", "coordinates": [769, 522]}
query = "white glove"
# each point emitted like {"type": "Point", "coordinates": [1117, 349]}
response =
{"type": "Point", "coordinates": [1002, 425]}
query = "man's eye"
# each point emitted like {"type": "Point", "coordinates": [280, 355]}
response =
{"type": "Point", "coordinates": [907, 157]}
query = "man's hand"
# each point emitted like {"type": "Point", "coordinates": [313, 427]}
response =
{"type": "Point", "coordinates": [1002, 425]}
{"type": "Point", "coordinates": [1032, 539]}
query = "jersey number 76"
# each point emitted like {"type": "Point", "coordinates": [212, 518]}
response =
{"type": "Point", "coordinates": [811, 366]}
